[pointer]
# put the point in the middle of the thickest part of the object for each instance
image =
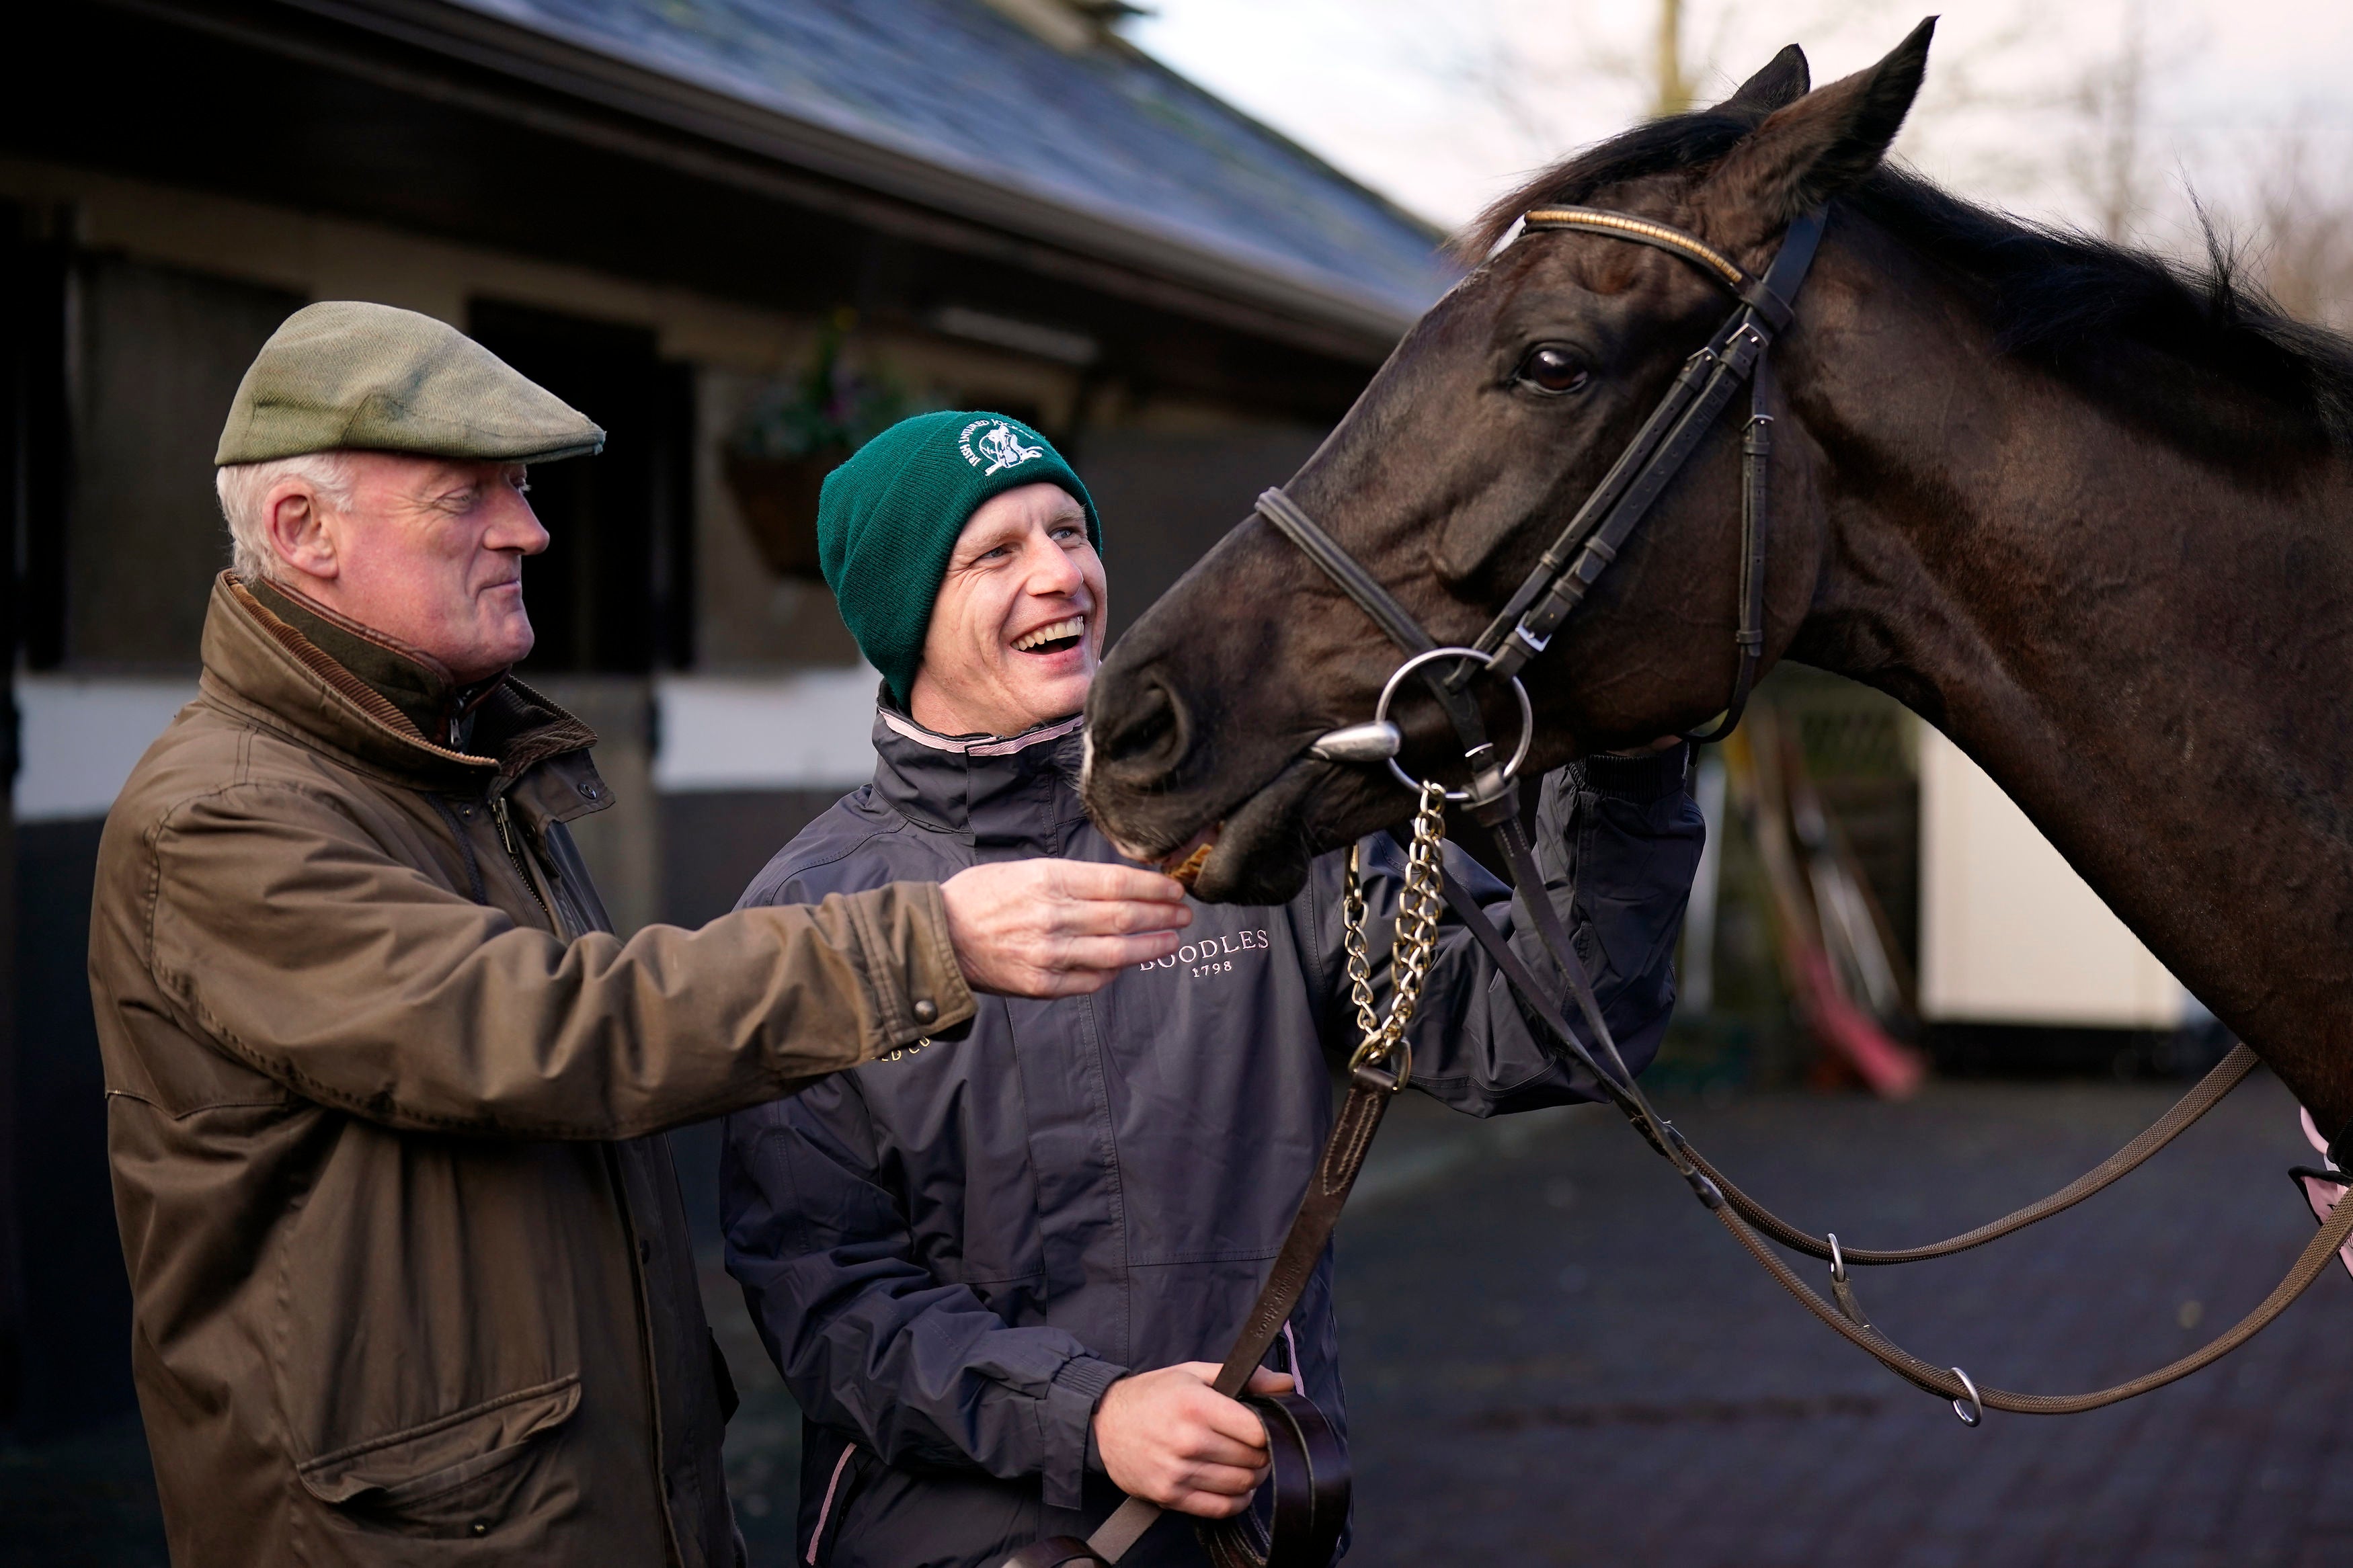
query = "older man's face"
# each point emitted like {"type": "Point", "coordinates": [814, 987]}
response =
{"type": "Point", "coordinates": [1018, 629]}
{"type": "Point", "coordinates": [430, 549]}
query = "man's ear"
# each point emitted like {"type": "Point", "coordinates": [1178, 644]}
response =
{"type": "Point", "coordinates": [1785, 79]}
{"type": "Point", "coordinates": [295, 526]}
{"type": "Point", "coordinates": [1810, 150]}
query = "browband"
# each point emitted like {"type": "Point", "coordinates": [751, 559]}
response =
{"type": "Point", "coordinates": [1768, 295]}
{"type": "Point", "coordinates": [1643, 232]}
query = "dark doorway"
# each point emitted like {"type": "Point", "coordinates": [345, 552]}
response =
{"type": "Point", "coordinates": [38, 442]}
{"type": "Point", "coordinates": [158, 355]}
{"type": "Point", "coordinates": [613, 594]}
{"type": "Point", "coordinates": [77, 1297]}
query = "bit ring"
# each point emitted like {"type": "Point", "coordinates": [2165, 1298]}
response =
{"type": "Point", "coordinates": [1486, 660]}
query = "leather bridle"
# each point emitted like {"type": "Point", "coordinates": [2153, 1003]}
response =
{"type": "Point", "coordinates": [1310, 1481]}
{"type": "Point", "coordinates": [1597, 530]}
{"type": "Point", "coordinates": [1564, 574]}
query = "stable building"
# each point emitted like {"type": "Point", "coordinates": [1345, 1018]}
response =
{"type": "Point", "coordinates": [706, 224]}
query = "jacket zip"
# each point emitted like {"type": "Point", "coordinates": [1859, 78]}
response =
{"type": "Point", "coordinates": [615, 1156]}
{"type": "Point", "coordinates": [514, 853]}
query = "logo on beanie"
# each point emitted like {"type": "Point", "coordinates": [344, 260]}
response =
{"type": "Point", "coordinates": [999, 447]}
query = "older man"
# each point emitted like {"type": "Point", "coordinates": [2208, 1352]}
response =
{"type": "Point", "coordinates": [999, 1296]}
{"type": "Point", "coordinates": [411, 1277]}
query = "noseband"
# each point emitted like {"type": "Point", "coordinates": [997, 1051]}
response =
{"type": "Point", "coordinates": [1566, 572]}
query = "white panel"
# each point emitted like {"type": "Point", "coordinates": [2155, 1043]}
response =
{"type": "Point", "coordinates": [2009, 933]}
{"type": "Point", "coordinates": [813, 729]}
{"type": "Point", "coordinates": [82, 737]}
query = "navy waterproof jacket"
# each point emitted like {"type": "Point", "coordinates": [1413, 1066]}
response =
{"type": "Point", "coordinates": [952, 1252]}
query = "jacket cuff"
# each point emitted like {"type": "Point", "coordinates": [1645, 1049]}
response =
{"type": "Point", "coordinates": [1645, 780]}
{"type": "Point", "coordinates": [918, 986]}
{"type": "Point", "coordinates": [1070, 1402]}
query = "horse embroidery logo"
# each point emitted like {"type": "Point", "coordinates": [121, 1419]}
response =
{"type": "Point", "coordinates": [999, 447]}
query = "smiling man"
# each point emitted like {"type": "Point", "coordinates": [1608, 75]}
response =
{"type": "Point", "coordinates": [411, 1277]}
{"type": "Point", "coordinates": [999, 1297]}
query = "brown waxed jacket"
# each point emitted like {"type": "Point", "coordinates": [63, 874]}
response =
{"type": "Point", "coordinates": [411, 1275]}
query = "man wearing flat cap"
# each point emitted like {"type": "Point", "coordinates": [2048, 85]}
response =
{"type": "Point", "coordinates": [384, 1093]}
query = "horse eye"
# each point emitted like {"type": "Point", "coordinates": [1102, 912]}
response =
{"type": "Point", "coordinates": [1550, 369]}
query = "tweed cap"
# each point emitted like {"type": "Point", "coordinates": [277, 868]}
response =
{"type": "Point", "coordinates": [347, 373]}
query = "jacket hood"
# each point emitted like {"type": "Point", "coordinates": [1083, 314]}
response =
{"type": "Point", "coordinates": [256, 661]}
{"type": "Point", "coordinates": [1013, 792]}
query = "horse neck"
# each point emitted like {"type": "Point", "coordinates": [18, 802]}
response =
{"type": "Point", "coordinates": [2147, 650]}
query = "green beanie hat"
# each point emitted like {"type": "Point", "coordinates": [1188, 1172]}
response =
{"type": "Point", "coordinates": [888, 518]}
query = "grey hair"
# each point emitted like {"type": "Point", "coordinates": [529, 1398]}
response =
{"type": "Point", "coordinates": [244, 489]}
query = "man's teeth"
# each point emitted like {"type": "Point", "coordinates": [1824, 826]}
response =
{"type": "Point", "coordinates": [1055, 633]}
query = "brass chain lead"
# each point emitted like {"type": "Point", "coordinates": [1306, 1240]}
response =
{"type": "Point", "coordinates": [1418, 905]}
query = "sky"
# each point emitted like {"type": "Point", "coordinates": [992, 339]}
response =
{"type": "Point", "coordinates": [2103, 113]}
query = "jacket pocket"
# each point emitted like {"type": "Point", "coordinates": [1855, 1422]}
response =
{"type": "Point", "coordinates": [461, 1474]}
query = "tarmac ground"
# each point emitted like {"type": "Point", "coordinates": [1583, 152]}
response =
{"type": "Point", "coordinates": [1560, 1358]}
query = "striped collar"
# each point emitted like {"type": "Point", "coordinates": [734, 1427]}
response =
{"type": "Point", "coordinates": [979, 745]}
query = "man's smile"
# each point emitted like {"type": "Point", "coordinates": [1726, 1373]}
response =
{"type": "Point", "coordinates": [1055, 636]}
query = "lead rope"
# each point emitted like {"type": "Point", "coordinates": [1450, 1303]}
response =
{"type": "Point", "coordinates": [2202, 1097]}
{"type": "Point", "coordinates": [1379, 1066]}
{"type": "Point", "coordinates": [1846, 1316]}
{"type": "Point", "coordinates": [1242, 1542]}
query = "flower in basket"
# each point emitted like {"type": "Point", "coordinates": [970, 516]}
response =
{"type": "Point", "coordinates": [796, 432]}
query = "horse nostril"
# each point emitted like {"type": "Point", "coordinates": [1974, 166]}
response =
{"type": "Point", "coordinates": [1145, 735]}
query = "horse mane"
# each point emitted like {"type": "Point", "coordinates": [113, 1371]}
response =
{"type": "Point", "coordinates": [2092, 311]}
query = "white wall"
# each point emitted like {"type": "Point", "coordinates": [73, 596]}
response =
{"type": "Point", "coordinates": [2009, 933]}
{"type": "Point", "coordinates": [810, 729]}
{"type": "Point", "coordinates": [79, 739]}
{"type": "Point", "coordinates": [81, 736]}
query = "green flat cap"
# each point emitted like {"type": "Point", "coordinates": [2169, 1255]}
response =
{"type": "Point", "coordinates": [347, 373]}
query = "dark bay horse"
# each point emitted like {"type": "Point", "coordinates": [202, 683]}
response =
{"type": "Point", "coordinates": [2085, 511]}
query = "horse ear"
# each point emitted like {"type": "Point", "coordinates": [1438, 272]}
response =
{"type": "Point", "coordinates": [1783, 81]}
{"type": "Point", "coordinates": [1806, 152]}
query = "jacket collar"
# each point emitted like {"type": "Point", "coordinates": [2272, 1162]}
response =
{"type": "Point", "coordinates": [409, 677]}
{"type": "Point", "coordinates": [1009, 791]}
{"type": "Point", "coordinates": [262, 664]}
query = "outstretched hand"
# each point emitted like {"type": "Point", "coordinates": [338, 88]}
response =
{"type": "Point", "coordinates": [1058, 928]}
{"type": "Point", "coordinates": [1168, 1438]}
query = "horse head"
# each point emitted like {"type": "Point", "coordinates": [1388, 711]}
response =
{"type": "Point", "coordinates": [1494, 418]}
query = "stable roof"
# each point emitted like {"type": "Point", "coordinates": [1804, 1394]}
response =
{"type": "Point", "coordinates": [1098, 149]}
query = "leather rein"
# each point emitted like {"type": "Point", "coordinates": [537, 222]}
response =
{"type": "Point", "coordinates": [1310, 1480]}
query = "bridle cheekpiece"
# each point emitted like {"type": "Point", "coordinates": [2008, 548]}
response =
{"type": "Point", "coordinates": [1593, 537]}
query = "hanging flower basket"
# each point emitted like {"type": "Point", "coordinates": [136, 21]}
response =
{"type": "Point", "coordinates": [778, 498]}
{"type": "Point", "coordinates": [792, 435]}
